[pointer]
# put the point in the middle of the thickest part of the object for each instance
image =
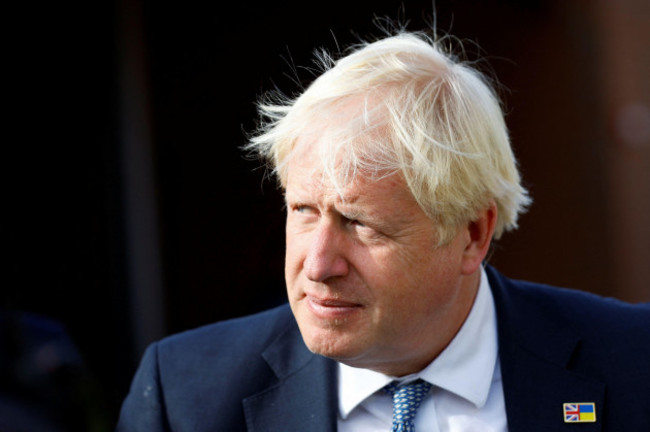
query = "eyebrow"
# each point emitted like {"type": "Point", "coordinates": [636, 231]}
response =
{"type": "Point", "coordinates": [359, 213]}
{"type": "Point", "coordinates": [340, 205]}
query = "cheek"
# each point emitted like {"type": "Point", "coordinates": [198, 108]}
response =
{"type": "Point", "coordinates": [411, 284]}
{"type": "Point", "coordinates": [400, 271]}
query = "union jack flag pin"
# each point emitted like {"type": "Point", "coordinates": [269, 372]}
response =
{"type": "Point", "coordinates": [579, 412]}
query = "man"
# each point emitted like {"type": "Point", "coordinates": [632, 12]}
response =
{"type": "Point", "coordinates": [398, 173]}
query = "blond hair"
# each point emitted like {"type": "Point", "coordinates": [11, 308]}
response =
{"type": "Point", "coordinates": [402, 105]}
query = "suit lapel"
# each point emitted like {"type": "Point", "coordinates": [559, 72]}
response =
{"type": "Point", "coordinates": [304, 399]}
{"type": "Point", "coordinates": [535, 351]}
{"type": "Point", "coordinates": [535, 391]}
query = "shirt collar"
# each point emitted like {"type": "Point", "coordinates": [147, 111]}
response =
{"type": "Point", "coordinates": [465, 367]}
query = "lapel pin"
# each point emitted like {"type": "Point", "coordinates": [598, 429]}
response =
{"type": "Point", "coordinates": [579, 412]}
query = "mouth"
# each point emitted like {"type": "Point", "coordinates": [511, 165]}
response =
{"type": "Point", "coordinates": [331, 308]}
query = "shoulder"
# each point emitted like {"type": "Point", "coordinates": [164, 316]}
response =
{"type": "Point", "coordinates": [536, 315]}
{"type": "Point", "coordinates": [217, 365]}
{"type": "Point", "coordinates": [568, 304]}
{"type": "Point", "coordinates": [239, 336]}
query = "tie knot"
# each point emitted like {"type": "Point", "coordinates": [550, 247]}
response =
{"type": "Point", "coordinates": [406, 400]}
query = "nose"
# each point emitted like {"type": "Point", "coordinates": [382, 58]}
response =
{"type": "Point", "coordinates": [326, 254]}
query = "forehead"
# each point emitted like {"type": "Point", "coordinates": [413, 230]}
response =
{"type": "Point", "coordinates": [308, 177]}
{"type": "Point", "coordinates": [341, 155]}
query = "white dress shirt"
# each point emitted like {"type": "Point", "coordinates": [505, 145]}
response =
{"type": "Point", "coordinates": [467, 393]}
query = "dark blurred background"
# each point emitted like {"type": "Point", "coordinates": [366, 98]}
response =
{"type": "Point", "coordinates": [133, 214]}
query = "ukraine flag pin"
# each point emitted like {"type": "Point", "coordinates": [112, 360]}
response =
{"type": "Point", "coordinates": [579, 412]}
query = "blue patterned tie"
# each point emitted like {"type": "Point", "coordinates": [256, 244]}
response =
{"type": "Point", "coordinates": [406, 400]}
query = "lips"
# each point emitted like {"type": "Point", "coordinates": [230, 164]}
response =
{"type": "Point", "coordinates": [330, 307]}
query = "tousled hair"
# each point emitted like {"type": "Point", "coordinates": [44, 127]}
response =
{"type": "Point", "coordinates": [402, 105]}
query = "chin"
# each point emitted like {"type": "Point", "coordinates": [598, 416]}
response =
{"type": "Point", "coordinates": [331, 343]}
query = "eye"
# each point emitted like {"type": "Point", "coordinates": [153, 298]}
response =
{"type": "Point", "coordinates": [355, 223]}
{"type": "Point", "coordinates": [303, 209]}
{"type": "Point", "coordinates": [363, 230]}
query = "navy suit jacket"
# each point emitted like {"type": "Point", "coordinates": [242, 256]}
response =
{"type": "Point", "coordinates": [255, 373]}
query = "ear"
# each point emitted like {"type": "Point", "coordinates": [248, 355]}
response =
{"type": "Point", "coordinates": [479, 236]}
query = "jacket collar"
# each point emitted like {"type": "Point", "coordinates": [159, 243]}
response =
{"type": "Point", "coordinates": [304, 398]}
{"type": "Point", "coordinates": [535, 352]}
